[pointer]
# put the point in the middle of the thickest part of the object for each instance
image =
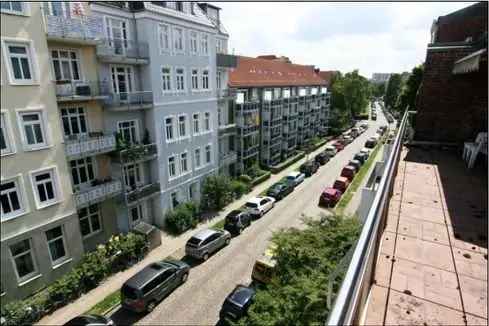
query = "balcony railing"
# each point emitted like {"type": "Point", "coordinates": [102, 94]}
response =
{"type": "Point", "coordinates": [252, 105]}
{"type": "Point", "coordinates": [129, 101]}
{"type": "Point", "coordinates": [74, 90]}
{"type": "Point", "coordinates": [143, 192]}
{"type": "Point", "coordinates": [251, 151]}
{"type": "Point", "coordinates": [97, 192]}
{"type": "Point", "coordinates": [227, 158]}
{"type": "Point", "coordinates": [138, 153]}
{"type": "Point", "coordinates": [248, 129]}
{"type": "Point", "coordinates": [357, 280]}
{"type": "Point", "coordinates": [76, 29]}
{"type": "Point", "coordinates": [227, 129]}
{"type": "Point", "coordinates": [115, 50]}
{"type": "Point", "coordinates": [94, 143]}
{"type": "Point", "coordinates": [225, 93]}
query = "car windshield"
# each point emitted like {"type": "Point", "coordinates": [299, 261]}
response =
{"type": "Point", "coordinates": [251, 205]}
{"type": "Point", "coordinates": [129, 292]}
{"type": "Point", "coordinates": [193, 241]}
{"type": "Point", "coordinates": [231, 218]}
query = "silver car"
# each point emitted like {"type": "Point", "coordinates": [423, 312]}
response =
{"type": "Point", "coordinates": [206, 242]}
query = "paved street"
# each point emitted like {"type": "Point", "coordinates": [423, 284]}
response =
{"type": "Point", "coordinates": [199, 300]}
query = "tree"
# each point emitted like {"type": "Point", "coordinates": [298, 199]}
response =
{"type": "Point", "coordinates": [216, 192]}
{"type": "Point", "coordinates": [378, 90]}
{"type": "Point", "coordinates": [407, 98]}
{"type": "Point", "coordinates": [392, 92]}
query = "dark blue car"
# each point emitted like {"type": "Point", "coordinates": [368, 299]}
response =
{"type": "Point", "coordinates": [237, 303]}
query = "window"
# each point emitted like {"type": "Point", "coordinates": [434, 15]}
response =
{"type": "Point", "coordinates": [136, 213]}
{"type": "Point", "coordinates": [5, 140]}
{"type": "Point", "coordinates": [33, 129]}
{"type": "Point", "coordinates": [197, 158]}
{"type": "Point", "coordinates": [172, 169]}
{"type": "Point", "coordinates": [208, 156]}
{"type": "Point", "coordinates": [195, 79]}
{"type": "Point", "coordinates": [205, 79]}
{"type": "Point", "coordinates": [174, 199]}
{"type": "Point", "coordinates": [218, 79]}
{"type": "Point", "coordinates": [204, 44]}
{"type": "Point", "coordinates": [164, 32]}
{"type": "Point", "coordinates": [184, 162]}
{"type": "Point", "coordinates": [12, 7]}
{"type": "Point", "coordinates": [66, 65]}
{"type": "Point", "coordinates": [128, 131]}
{"type": "Point", "coordinates": [192, 191]}
{"type": "Point", "coordinates": [132, 176]}
{"type": "Point", "coordinates": [196, 118]}
{"type": "Point", "coordinates": [82, 171]}
{"type": "Point", "coordinates": [20, 62]}
{"type": "Point", "coordinates": [74, 121]}
{"type": "Point", "coordinates": [178, 39]}
{"type": "Point", "coordinates": [23, 259]}
{"type": "Point", "coordinates": [56, 244]}
{"type": "Point", "coordinates": [193, 42]}
{"type": "Point", "coordinates": [180, 76]}
{"type": "Point", "coordinates": [45, 185]}
{"type": "Point", "coordinates": [207, 121]}
{"type": "Point", "coordinates": [89, 218]}
{"type": "Point", "coordinates": [166, 79]}
{"type": "Point", "coordinates": [182, 126]}
{"type": "Point", "coordinates": [11, 199]}
{"type": "Point", "coordinates": [169, 129]}
{"type": "Point", "coordinates": [179, 6]}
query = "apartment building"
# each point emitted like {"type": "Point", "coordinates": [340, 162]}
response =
{"type": "Point", "coordinates": [280, 107]}
{"type": "Point", "coordinates": [40, 230]}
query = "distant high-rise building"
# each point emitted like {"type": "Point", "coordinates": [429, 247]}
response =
{"type": "Point", "coordinates": [378, 77]}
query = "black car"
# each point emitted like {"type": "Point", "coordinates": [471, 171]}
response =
{"type": "Point", "coordinates": [85, 320]}
{"type": "Point", "coordinates": [370, 143]}
{"type": "Point", "coordinates": [322, 158]}
{"type": "Point", "coordinates": [309, 168]}
{"type": "Point", "coordinates": [280, 190]}
{"type": "Point", "coordinates": [236, 221]}
{"type": "Point", "coordinates": [361, 157]}
{"type": "Point", "coordinates": [356, 164]}
{"type": "Point", "coordinates": [237, 303]}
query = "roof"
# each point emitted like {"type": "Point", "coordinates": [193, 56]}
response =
{"type": "Point", "coordinates": [241, 295]}
{"type": "Point", "coordinates": [330, 191]}
{"type": "Point", "coordinates": [256, 200]}
{"type": "Point", "coordinates": [272, 71]}
{"type": "Point", "coordinates": [146, 274]}
{"type": "Point", "coordinates": [327, 76]}
{"type": "Point", "coordinates": [204, 234]}
{"type": "Point", "coordinates": [342, 179]}
{"type": "Point", "coordinates": [294, 174]}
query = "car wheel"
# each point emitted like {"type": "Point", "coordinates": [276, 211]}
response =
{"type": "Point", "coordinates": [205, 256]}
{"type": "Point", "coordinates": [184, 278]}
{"type": "Point", "coordinates": [151, 306]}
{"type": "Point", "coordinates": [227, 241]}
{"type": "Point", "coordinates": [261, 214]}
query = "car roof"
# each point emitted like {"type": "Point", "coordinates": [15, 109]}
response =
{"type": "Point", "coordinates": [355, 161]}
{"type": "Point", "coordinates": [235, 212]}
{"type": "Point", "coordinates": [330, 191]}
{"type": "Point", "coordinates": [147, 274]}
{"type": "Point", "coordinates": [329, 147]}
{"type": "Point", "coordinates": [294, 174]}
{"type": "Point", "coordinates": [256, 200]}
{"type": "Point", "coordinates": [349, 167]}
{"type": "Point", "coordinates": [204, 234]}
{"type": "Point", "coordinates": [241, 295]}
{"type": "Point", "coordinates": [342, 179]}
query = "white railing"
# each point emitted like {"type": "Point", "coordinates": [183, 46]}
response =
{"type": "Point", "coordinates": [91, 145]}
{"type": "Point", "coordinates": [98, 193]}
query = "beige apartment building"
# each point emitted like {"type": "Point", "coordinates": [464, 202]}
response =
{"type": "Point", "coordinates": [40, 231]}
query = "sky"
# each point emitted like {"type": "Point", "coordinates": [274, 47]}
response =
{"type": "Point", "coordinates": [368, 36]}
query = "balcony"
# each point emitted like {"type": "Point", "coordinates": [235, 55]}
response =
{"type": "Point", "coordinates": [226, 60]}
{"type": "Point", "coordinates": [227, 158]}
{"type": "Point", "coordinates": [226, 130]}
{"type": "Point", "coordinates": [137, 153]}
{"type": "Point", "coordinates": [123, 51]}
{"type": "Point", "coordinates": [248, 129]}
{"type": "Point", "coordinates": [97, 192]}
{"type": "Point", "coordinates": [93, 144]}
{"type": "Point", "coordinates": [73, 91]}
{"type": "Point", "coordinates": [143, 192]}
{"type": "Point", "coordinates": [140, 100]}
{"type": "Point", "coordinates": [87, 30]}
{"type": "Point", "coordinates": [225, 94]}
{"type": "Point", "coordinates": [249, 152]}
{"type": "Point", "coordinates": [249, 106]}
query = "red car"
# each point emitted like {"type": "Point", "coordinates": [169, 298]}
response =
{"type": "Point", "coordinates": [329, 197]}
{"type": "Point", "coordinates": [338, 145]}
{"type": "Point", "coordinates": [348, 172]}
{"type": "Point", "coordinates": [341, 184]}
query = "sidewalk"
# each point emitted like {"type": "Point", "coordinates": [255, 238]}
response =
{"type": "Point", "coordinates": [169, 245]}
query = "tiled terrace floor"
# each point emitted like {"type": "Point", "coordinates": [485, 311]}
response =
{"type": "Point", "coordinates": [432, 265]}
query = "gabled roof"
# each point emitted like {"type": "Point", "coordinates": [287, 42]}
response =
{"type": "Point", "coordinates": [272, 71]}
{"type": "Point", "coordinates": [327, 76]}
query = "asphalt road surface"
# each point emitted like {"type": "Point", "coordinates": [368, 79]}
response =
{"type": "Point", "coordinates": [199, 300]}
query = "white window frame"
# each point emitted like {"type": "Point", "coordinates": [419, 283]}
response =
{"type": "Point", "coordinates": [196, 79]}
{"type": "Point", "coordinates": [78, 116]}
{"type": "Point", "coordinates": [183, 75]}
{"type": "Point", "coordinates": [185, 125]}
{"type": "Point", "coordinates": [203, 84]}
{"type": "Point", "coordinates": [7, 134]}
{"type": "Point", "coordinates": [35, 272]}
{"type": "Point", "coordinates": [198, 158]}
{"type": "Point", "coordinates": [175, 164]}
{"type": "Point", "coordinates": [194, 42]}
{"type": "Point", "coordinates": [205, 154]}
{"type": "Point", "coordinates": [86, 162]}
{"type": "Point", "coordinates": [175, 39]}
{"type": "Point", "coordinates": [176, 197]}
{"type": "Point", "coordinates": [141, 210]}
{"type": "Point", "coordinates": [53, 170]}
{"type": "Point", "coordinates": [168, 47]}
{"type": "Point", "coordinates": [188, 170]}
{"type": "Point", "coordinates": [88, 217]}
{"type": "Point", "coordinates": [174, 131]}
{"type": "Point", "coordinates": [21, 195]}
{"type": "Point", "coordinates": [196, 124]}
{"type": "Point", "coordinates": [62, 237]}
{"type": "Point", "coordinates": [196, 191]}
{"type": "Point", "coordinates": [69, 60]}
{"type": "Point", "coordinates": [138, 175]}
{"type": "Point", "coordinates": [209, 120]}
{"type": "Point", "coordinates": [136, 127]}
{"type": "Point", "coordinates": [24, 11]}
{"type": "Point", "coordinates": [204, 44]}
{"type": "Point", "coordinates": [33, 66]}
{"type": "Point", "coordinates": [43, 120]}
{"type": "Point", "coordinates": [166, 78]}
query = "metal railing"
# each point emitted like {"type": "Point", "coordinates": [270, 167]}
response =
{"type": "Point", "coordinates": [97, 193]}
{"type": "Point", "coordinates": [72, 90]}
{"type": "Point", "coordinates": [138, 152]}
{"type": "Point", "coordinates": [90, 145]}
{"type": "Point", "coordinates": [123, 48]}
{"type": "Point", "coordinates": [143, 192]}
{"type": "Point", "coordinates": [83, 28]}
{"type": "Point", "coordinates": [358, 277]}
{"type": "Point", "coordinates": [129, 101]}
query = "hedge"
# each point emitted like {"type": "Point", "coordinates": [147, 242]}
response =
{"type": "Point", "coordinates": [261, 178]}
{"type": "Point", "coordinates": [119, 253]}
{"type": "Point", "coordinates": [279, 167]}
{"type": "Point", "coordinates": [184, 217]}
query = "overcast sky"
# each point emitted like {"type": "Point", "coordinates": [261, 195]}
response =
{"type": "Point", "coordinates": [369, 36]}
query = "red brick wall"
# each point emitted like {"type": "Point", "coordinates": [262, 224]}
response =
{"type": "Point", "coordinates": [451, 108]}
{"type": "Point", "coordinates": [456, 27]}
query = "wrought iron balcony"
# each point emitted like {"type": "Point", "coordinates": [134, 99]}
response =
{"type": "Point", "coordinates": [97, 192]}
{"type": "Point", "coordinates": [137, 153]}
{"type": "Point", "coordinates": [139, 100]}
{"type": "Point", "coordinates": [142, 192]}
{"type": "Point", "coordinates": [92, 144]}
{"type": "Point", "coordinates": [74, 29]}
{"type": "Point", "coordinates": [74, 90]}
{"type": "Point", "coordinates": [123, 51]}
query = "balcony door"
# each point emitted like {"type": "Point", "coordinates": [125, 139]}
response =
{"type": "Point", "coordinates": [117, 35]}
{"type": "Point", "coordinates": [122, 81]}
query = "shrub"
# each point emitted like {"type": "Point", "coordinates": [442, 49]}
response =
{"type": "Point", "coordinates": [216, 192]}
{"type": "Point", "coordinates": [239, 188]}
{"type": "Point", "coordinates": [184, 217]}
{"type": "Point", "coordinates": [261, 178]}
{"type": "Point", "coordinates": [254, 171]}
{"type": "Point", "coordinates": [245, 178]}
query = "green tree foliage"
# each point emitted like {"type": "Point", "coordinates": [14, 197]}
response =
{"type": "Point", "coordinates": [182, 218]}
{"type": "Point", "coordinates": [407, 98]}
{"type": "Point", "coordinates": [305, 259]}
{"type": "Point", "coordinates": [394, 86]}
{"type": "Point", "coordinates": [378, 90]}
{"type": "Point", "coordinates": [216, 192]}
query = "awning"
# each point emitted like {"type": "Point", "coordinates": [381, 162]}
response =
{"type": "Point", "coordinates": [469, 63]}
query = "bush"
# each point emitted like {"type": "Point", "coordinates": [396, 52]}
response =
{"type": "Point", "coordinates": [239, 188]}
{"type": "Point", "coordinates": [216, 192]}
{"type": "Point", "coordinates": [184, 217]}
{"type": "Point", "coordinates": [254, 171]}
{"type": "Point", "coordinates": [245, 178]}
{"type": "Point", "coordinates": [291, 160]}
{"type": "Point", "coordinates": [261, 178]}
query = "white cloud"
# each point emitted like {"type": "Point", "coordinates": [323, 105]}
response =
{"type": "Point", "coordinates": [371, 37]}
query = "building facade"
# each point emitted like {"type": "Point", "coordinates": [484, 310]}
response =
{"type": "Point", "coordinates": [380, 78]}
{"type": "Point", "coordinates": [280, 108]}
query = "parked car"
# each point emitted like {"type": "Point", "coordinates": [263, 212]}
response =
{"type": "Point", "coordinates": [280, 190]}
{"type": "Point", "coordinates": [355, 132]}
{"type": "Point", "coordinates": [356, 164]}
{"type": "Point", "coordinates": [321, 158]}
{"type": "Point", "coordinates": [348, 172]}
{"type": "Point", "coordinates": [143, 291]}
{"type": "Point", "coordinates": [341, 184]}
{"type": "Point", "coordinates": [371, 142]}
{"type": "Point", "coordinates": [264, 267]}
{"type": "Point", "coordinates": [339, 146]}
{"type": "Point", "coordinates": [361, 157]}
{"type": "Point", "coordinates": [236, 221]}
{"type": "Point", "coordinates": [329, 197]}
{"type": "Point", "coordinates": [347, 139]}
{"type": "Point", "coordinates": [86, 320]}
{"type": "Point", "coordinates": [365, 151]}
{"type": "Point", "coordinates": [295, 178]}
{"type": "Point", "coordinates": [258, 206]}
{"type": "Point", "coordinates": [237, 303]}
{"type": "Point", "coordinates": [204, 243]}
{"type": "Point", "coordinates": [309, 168]}
{"type": "Point", "coordinates": [330, 150]}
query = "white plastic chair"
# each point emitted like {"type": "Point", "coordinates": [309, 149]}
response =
{"type": "Point", "coordinates": [471, 150]}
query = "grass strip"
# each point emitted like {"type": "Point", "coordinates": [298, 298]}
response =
{"type": "Point", "coordinates": [106, 304]}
